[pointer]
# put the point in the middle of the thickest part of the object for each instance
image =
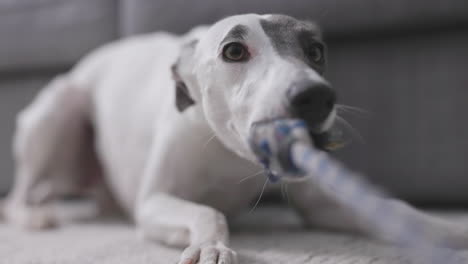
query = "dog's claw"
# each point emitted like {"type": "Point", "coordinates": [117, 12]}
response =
{"type": "Point", "coordinates": [208, 254]}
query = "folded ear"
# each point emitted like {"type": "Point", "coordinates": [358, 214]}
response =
{"type": "Point", "coordinates": [183, 98]}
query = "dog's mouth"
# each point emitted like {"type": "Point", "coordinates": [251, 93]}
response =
{"type": "Point", "coordinates": [328, 140]}
{"type": "Point", "coordinates": [328, 135]}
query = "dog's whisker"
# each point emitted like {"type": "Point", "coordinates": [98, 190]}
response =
{"type": "Point", "coordinates": [251, 176]}
{"type": "Point", "coordinates": [354, 113]}
{"type": "Point", "coordinates": [208, 141]}
{"type": "Point", "coordinates": [260, 197]}
{"type": "Point", "coordinates": [353, 130]}
{"type": "Point", "coordinates": [353, 110]}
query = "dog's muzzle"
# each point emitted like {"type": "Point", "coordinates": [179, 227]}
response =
{"type": "Point", "coordinates": [313, 102]}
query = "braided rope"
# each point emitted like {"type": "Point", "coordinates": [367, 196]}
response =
{"type": "Point", "coordinates": [285, 149]}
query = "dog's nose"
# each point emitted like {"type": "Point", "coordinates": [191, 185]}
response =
{"type": "Point", "coordinates": [313, 102]}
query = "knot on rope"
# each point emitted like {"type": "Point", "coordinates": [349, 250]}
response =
{"type": "Point", "coordinates": [271, 142]}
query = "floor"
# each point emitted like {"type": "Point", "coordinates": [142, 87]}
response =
{"type": "Point", "coordinates": [268, 235]}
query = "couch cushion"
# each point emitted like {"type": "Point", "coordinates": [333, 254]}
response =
{"type": "Point", "coordinates": [338, 17]}
{"type": "Point", "coordinates": [416, 138]}
{"type": "Point", "coordinates": [42, 33]}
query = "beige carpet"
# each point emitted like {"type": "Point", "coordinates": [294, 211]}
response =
{"type": "Point", "coordinates": [268, 235]}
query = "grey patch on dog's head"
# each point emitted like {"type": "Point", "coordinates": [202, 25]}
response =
{"type": "Point", "coordinates": [238, 32]}
{"type": "Point", "coordinates": [292, 37]}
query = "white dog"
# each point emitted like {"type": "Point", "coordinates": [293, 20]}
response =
{"type": "Point", "coordinates": [164, 122]}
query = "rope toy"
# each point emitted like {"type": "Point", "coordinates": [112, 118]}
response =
{"type": "Point", "coordinates": [284, 148]}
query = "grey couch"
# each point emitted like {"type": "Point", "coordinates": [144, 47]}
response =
{"type": "Point", "coordinates": [404, 61]}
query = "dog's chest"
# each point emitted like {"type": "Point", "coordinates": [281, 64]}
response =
{"type": "Point", "coordinates": [227, 182]}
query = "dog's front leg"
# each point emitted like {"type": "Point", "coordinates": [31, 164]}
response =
{"type": "Point", "coordinates": [166, 211]}
{"type": "Point", "coordinates": [179, 222]}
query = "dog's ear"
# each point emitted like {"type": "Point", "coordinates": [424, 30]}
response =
{"type": "Point", "coordinates": [183, 98]}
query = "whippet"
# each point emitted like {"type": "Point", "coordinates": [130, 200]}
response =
{"type": "Point", "coordinates": [163, 121]}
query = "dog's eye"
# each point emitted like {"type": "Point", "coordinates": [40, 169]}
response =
{"type": "Point", "coordinates": [235, 52]}
{"type": "Point", "coordinates": [315, 53]}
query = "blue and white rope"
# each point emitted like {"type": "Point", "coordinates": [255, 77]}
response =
{"type": "Point", "coordinates": [285, 148]}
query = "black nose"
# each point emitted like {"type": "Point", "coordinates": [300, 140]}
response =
{"type": "Point", "coordinates": [313, 102]}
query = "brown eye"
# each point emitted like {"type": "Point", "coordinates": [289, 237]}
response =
{"type": "Point", "coordinates": [315, 53]}
{"type": "Point", "coordinates": [235, 52]}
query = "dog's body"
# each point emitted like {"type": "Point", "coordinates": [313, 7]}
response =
{"type": "Point", "coordinates": [125, 139]}
{"type": "Point", "coordinates": [174, 161]}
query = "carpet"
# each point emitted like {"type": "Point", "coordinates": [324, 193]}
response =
{"type": "Point", "coordinates": [267, 235]}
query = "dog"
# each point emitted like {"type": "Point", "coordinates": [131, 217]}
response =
{"type": "Point", "coordinates": [163, 121]}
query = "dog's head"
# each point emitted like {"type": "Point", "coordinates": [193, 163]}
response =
{"type": "Point", "coordinates": [251, 68]}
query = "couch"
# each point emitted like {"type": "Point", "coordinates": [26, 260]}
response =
{"type": "Point", "coordinates": [402, 61]}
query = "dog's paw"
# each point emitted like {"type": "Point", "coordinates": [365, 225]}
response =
{"type": "Point", "coordinates": [30, 218]}
{"type": "Point", "coordinates": [215, 253]}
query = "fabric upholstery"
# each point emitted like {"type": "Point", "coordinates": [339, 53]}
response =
{"type": "Point", "coordinates": [338, 17]}
{"type": "Point", "coordinates": [403, 61]}
{"type": "Point", "coordinates": [50, 33]}
{"type": "Point", "coordinates": [415, 88]}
